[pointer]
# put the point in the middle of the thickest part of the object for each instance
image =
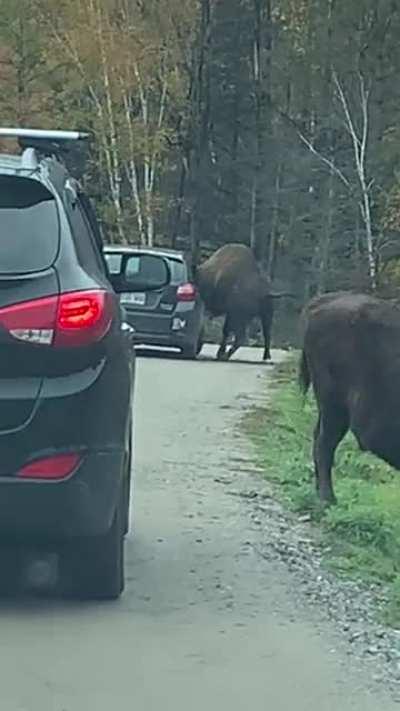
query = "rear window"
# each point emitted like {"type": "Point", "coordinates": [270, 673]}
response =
{"type": "Point", "coordinates": [114, 262]}
{"type": "Point", "coordinates": [139, 265]}
{"type": "Point", "coordinates": [179, 274]}
{"type": "Point", "coordinates": [29, 227]}
{"type": "Point", "coordinates": [146, 268]}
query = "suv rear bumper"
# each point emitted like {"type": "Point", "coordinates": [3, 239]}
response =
{"type": "Point", "coordinates": [158, 330]}
{"type": "Point", "coordinates": [82, 505]}
{"type": "Point", "coordinates": [171, 340]}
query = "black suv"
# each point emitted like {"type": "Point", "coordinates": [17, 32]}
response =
{"type": "Point", "coordinates": [66, 374]}
{"type": "Point", "coordinates": [173, 316]}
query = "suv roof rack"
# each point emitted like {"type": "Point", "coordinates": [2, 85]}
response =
{"type": "Point", "coordinates": [35, 134]}
{"type": "Point", "coordinates": [36, 143]}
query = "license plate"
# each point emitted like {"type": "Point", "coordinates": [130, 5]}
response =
{"type": "Point", "coordinates": [134, 299]}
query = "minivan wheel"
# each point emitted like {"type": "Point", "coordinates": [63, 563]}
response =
{"type": "Point", "coordinates": [94, 567]}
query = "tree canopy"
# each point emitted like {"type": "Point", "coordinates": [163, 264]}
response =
{"type": "Point", "coordinates": [270, 122]}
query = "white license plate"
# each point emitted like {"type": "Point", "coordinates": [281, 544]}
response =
{"type": "Point", "coordinates": [135, 299]}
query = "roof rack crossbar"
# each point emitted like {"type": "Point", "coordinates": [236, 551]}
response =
{"type": "Point", "coordinates": [43, 135]}
{"type": "Point", "coordinates": [68, 147]}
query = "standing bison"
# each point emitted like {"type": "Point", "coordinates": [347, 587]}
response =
{"type": "Point", "coordinates": [231, 284]}
{"type": "Point", "coordinates": [351, 356]}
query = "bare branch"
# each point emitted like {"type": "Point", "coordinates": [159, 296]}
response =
{"type": "Point", "coordinates": [306, 141]}
{"type": "Point", "coordinates": [331, 165]}
{"type": "Point", "coordinates": [364, 108]}
{"type": "Point", "coordinates": [349, 121]}
{"type": "Point", "coordinates": [360, 145]}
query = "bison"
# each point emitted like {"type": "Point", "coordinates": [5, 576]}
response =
{"type": "Point", "coordinates": [231, 284]}
{"type": "Point", "coordinates": [351, 357]}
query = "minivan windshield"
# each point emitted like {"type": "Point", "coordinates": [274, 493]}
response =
{"type": "Point", "coordinates": [29, 226]}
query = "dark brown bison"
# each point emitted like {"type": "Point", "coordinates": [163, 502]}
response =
{"type": "Point", "coordinates": [231, 284]}
{"type": "Point", "coordinates": [351, 356]}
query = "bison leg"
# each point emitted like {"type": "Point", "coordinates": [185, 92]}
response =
{"type": "Point", "coordinates": [240, 338]}
{"type": "Point", "coordinates": [331, 428]}
{"type": "Point", "coordinates": [221, 355]}
{"type": "Point", "coordinates": [266, 322]}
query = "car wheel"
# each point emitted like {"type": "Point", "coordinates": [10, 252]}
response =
{"type": "Point", "coordinates": [10, 569]}
{"type": "Point", "coordinates": [189, 352]}
{"type": "Point", "coordinates": [94, 567]}
{"type": "Point", "coordinates": [127, 485]}
{"type": "Point", "coordinates": [200, 343]}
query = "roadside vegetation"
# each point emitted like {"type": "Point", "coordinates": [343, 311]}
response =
{"type": "Point", "coordinates": [362, 532]}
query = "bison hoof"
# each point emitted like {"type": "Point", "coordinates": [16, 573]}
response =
{"type": "Point", "coordinates": [327, 501]}
{"type": "Point", "coordinates": [220, 355]}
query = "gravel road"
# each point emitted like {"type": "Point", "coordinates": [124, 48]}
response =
{"type": "Point", "coordinates": [206, 621]}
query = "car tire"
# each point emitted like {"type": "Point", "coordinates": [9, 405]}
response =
{"type": "Point", "coordinates": [192, 350]}
{"type": "Point", "coordinates": [11, 567]}
{"type": "Point", "coordinates": [127, 485]}
{"type": "Point", "coordinates": [189, 352]}
{"type": "Point", "coordinates": [200, 343]}
{"type": "Point", "coordinates": [94, 567]}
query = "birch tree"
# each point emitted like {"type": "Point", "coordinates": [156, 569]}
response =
{"type": "Point", "coordinates": [359, 137]}
{"type": "Point", "coordinates": [153, 41]}
{"type": "Point", "coordinates": [148, 78]}
{"type": "Point", "coordinates": [82, 32]}
{"type": "Point", "coordinates": [128, 59]}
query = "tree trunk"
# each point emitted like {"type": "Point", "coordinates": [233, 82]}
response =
{"type": "Point", "coordinates": [326, 234]}
{"type": "Point", "coordinates": [253, 217]}
{"type": "Point", "coordinates": [113, 141]}
{"type": "Point", "coordinates": [328, 213]}
{"type": "Point", "coordinates": [132, 169]}
{"type": "Point", "coordinates": [262, 48]}
{"type": "Point", "coordinates": [180, 200]}
{"type": "Point", "coordinates": [273, 236]}
{"type": "Point", "coordinates": [201, 122]}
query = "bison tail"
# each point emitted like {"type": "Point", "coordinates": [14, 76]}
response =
{"type": "Point", "coordinates": [304, 374]}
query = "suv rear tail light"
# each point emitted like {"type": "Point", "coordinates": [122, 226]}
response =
{"type": "Point", "coordinates": [186, 292]}
{"type": "Point", "coordinates": [73, 319]}
{"type": "Point", "coordinates": [83, 317]}
{"type": "Point", "coordinates": [51, 468]}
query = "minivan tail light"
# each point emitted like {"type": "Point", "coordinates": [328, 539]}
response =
{"type": "Point", "coordinates": [67, 320]}
{"type": "Point", "coordinates": [186, 292]}
{"type": "Point", "coordinates": [51, 468]}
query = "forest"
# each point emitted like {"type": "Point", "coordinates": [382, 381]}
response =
{"type": "Point", "coordinates": [275, 123]}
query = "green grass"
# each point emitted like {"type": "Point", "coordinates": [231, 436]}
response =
{"type": "Point", "coordinates": [363, 531]}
